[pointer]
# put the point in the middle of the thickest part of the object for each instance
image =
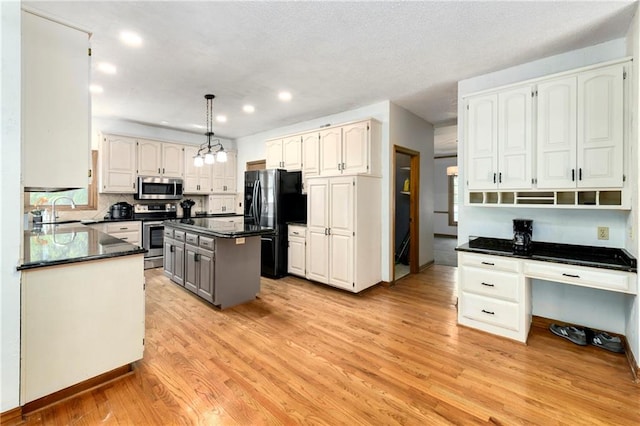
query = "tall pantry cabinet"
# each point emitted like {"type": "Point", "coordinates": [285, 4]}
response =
{"type": "Point", "coordinates": [344, 237]}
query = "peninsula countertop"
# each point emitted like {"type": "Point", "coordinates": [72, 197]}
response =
{"type": "Point", "coordinates": [598, 257]}
{"type": "Point", "coordinates": [60, 244]}
{"type": "Point", "coordinates": [218, 227]}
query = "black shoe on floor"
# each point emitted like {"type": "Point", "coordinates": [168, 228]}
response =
{"type": "Point", "coordinates": [570, 333]}
{"type": "Point", "coordinates": [605, 341]}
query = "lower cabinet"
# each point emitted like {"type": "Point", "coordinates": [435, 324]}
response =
{"type": "Point", "coordinates": [199, 268]}
{"type": "Point", "coordinates": [174, 260]}
{"type": "Point", "coordinates": [296, 252]}
{"type": "Point", "coordinates": [221, 204]}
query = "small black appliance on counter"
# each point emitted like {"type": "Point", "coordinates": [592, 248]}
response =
{"type": "Point", "coordinates": [121, 210]}
{"type": "Point", "coordinates": [522, 233]}
{"type": "Point", "coordinates": [186, 208]}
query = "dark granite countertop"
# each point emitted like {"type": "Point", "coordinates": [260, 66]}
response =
{"type": "Point", "coordinates": [219, 228]}
{"type": "Point", "coordinates": [598, 257]}
{"type": "Point", "coordinates": [51, 245]}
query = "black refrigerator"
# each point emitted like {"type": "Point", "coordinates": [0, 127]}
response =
{"type": "Point", "coordinates": [272, 198]}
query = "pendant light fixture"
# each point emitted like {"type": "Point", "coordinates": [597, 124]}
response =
{"type": "Point", "coordinates": [213, 150]}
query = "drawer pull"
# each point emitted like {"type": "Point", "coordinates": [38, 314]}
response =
{"type": "Point", "coordinates": [488, 312]}
{"type": "Point", "coordinates": [124, 238]}
{"type": "Point", "coordinates": [123, 228]}
{"type": "Point", "coordinates": [487, 284]}
{"type": "Point", "coordinates": [571, 275]}
{"type": "Point", "coordinates": [296, 233]}
{"type": "Point", "coordinates": [488, 263]}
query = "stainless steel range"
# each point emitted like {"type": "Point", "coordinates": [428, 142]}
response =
{"type": "Point", "coordinates": [152, 216]}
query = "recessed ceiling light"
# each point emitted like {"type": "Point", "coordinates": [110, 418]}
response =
{"type": "Point", "coordinates": [221, 118]}
{"type": "Point", "coordinates": [94, 88]}
{"type": "Point", "coordinates": [130, 38]}
{"type": "Point", "coordinates": [164, 122]}
{"type": "Point", "coordinates": [284, 96]}
{"type": "Point", "coordinates": [107, 68]}
{"type": "Point", "coordinates": [248, 108]}
{"type": "Point", "coordinates": [198, 126]}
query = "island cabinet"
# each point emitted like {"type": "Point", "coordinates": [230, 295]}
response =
{"type": "Point", "coordinates": [220, 258]}
{"type": "Point", "coordinates": [174, 255]}
{"type": "Point", "coordinates": [56, 113]}
{"type": "Point", "coordinates": [343, 231]}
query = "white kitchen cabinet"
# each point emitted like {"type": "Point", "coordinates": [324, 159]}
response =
{"type": "Point", "coordinates": [500, 130]}
{"type": "Point", "coordinates": [160, 159]}
{"type": "Point", "coordinates": [56, 142]}
{"type": "Point", "coordinates": [79, 321]}
{"type": "Point", "coordinates": [224, 174]}
{"type": "Point", "coordinates": [197, 180]}
{"type": "Point", "coordinates": [217, 204]}
{"type": "Point", "coordinates": [350, 149]}
{"type": "Point", "coordinates": [296, 252]}
{"type": "Point", "coordinates": [285, 153]}
{"type": "Point", "coordinates": [310, 156]}
{"type": "Point", "coordinates": [581, 130]}
{"type": "Point", "coordinates": [343, 231]}
{"type": "Point", "coordinates": [117, 172]}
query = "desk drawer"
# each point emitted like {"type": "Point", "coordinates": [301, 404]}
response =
{"type": "Point", "coordinates": [490, 262]}
{"type": "Point", "coordinates": [490, 311]}
{"type": "Point", "coordinates": [504, 285]}
{"type": "Point", "coordinates": [605, 279]}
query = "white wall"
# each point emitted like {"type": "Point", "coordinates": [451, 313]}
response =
{"type": "Point", "coordinates": [10, 218]}
{"type": "Point", "coordinates": [579, 305]}
{"type": "Point", "coordinates": [409, 131]}
{"type": "Point", "coordinates": [441, 203]}
{"type": "Point", "coordinates": [633, 308]}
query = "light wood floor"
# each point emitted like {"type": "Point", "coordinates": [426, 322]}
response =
{"type": "Point", "coordinates": [308, 354]}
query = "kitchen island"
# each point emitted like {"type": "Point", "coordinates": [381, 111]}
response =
{"type": "Point", "coordinates": [82, 310]}
{"type": "Point", "coordinates": [217, 259]}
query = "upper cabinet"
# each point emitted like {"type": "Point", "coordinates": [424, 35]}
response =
{"type": "Point", "coordinates": [580, 130]}
{"type": "Point", "coordinates": [284, 153]}
{"type": "Point", "coordinates": [224, 174]}
{"type": "Point", "coordinates": [350, 149]}
{"type": "Point", "coordinates": [55, 100]}
{"type": "Point", "coordinates": [117, 164]}
{"type": "Point", "coordinates": [500, 134]}
{"type": "Point", "coordinates": [197, 180]}
{"type": "Point", "coordinates": [160, 159]}
{"type": "Point", "coordinates": [563, 133]}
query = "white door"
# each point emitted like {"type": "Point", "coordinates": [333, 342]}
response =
{"type": "Point", "coordinates": [292, 153]}
{"type": "Point", "coordinates": [228, 204]}
{"type": "Point", "coordinates": [296, 255]}
{"type": "Point", "coordinates": [149, 158]}
{"type": "Point", "coordinates": [331, 152]}
{"type": "Point", "coordinates": [191, 172]}
{"type": "Point", "coordinates": [274, 154]}
{"type": "Point", "coordinates": [217, 176]}
{"type": "Point", "coordinates": [482, 136]}
{"type": "Point", "coordinates": [600, 128]}
{"type": "Point", "coordinates": [118, 164]}
{"type": "Point", "coordinates": [310, 150]}
{"type": "Point", "coordinates": [556, 134]}
{"type": "Point", "coordinates": [515, 138]}
{"type": "Point", "coordinates": [172, 160]}
{"type": "Point", "coordinates": [341, 216]}
{"type": "Point", "coordinates": [230, 170]}
{"type": "Point", "coordinates": [215, 204]}
{"type": "Point", "coordinates": [317, 230]}
{"type": "Point", "coordinates": [355, 148]}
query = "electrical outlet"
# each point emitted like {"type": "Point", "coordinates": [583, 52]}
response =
{"type": "Point", "coordinates": [603, 232]}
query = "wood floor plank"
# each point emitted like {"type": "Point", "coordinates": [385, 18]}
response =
{"type": "Point", "coordinates": [305, 353]}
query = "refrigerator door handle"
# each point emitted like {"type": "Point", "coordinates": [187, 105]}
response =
{"type": "Point", "coordinates": [259, 200]}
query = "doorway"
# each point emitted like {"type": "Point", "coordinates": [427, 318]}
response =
{"type": "Point", "coordinates": [406, 184]}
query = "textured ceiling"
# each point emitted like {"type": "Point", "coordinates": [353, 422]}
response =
{"type": "Point", "coordinates": [332, 56]}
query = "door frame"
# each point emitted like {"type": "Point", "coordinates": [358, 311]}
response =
{"type": "Point", "coordinates": [414, 203]}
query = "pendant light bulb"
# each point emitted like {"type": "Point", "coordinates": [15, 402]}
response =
{"type": "Point", "coordinates": [198, 161]}
{"type": "Point", "coordinates": [209, 158]}
{"type": "Point", "coordinates": [221, 156]}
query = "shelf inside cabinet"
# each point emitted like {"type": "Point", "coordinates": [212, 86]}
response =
{"type": "Point", "coordinates": [601, 199]}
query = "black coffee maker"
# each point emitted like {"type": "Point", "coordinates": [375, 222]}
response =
{"type": "Point", "coordinates": [522, 232]}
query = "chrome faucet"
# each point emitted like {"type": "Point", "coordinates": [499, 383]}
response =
{"type": "Point", "coordinates": [53, 207]}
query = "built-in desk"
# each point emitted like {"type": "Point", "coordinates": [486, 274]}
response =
{"type": "Point", "coordinates": [495, 284]}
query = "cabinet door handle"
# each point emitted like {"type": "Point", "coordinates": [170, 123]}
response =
{"type": "Point", "coordinates": [339, 166]}
{"type": "Point", "coordinates": [573, 175]}
{"type": "Point", "coordinates": [488, 312]}
{"type": "Point", "coordinates": [196, 257]}
{"type": "Point", "coordinates": [158, 169]}
{"type": "Point", "coordinates": [325, 231]}
{"type": "Point", "coordinates": [343, 166]}
{"type": "Point", "coordinates": [488, 263]}
{"type": "Point", "coordinates": [172, 249]}
{"type": "Point", "coordinates": [487, 284]}
{"type": "Point", "coordinates": [580, 173]}
{"type": "Point", "coordinates": [296, 233]}
{"type": "Point", "coordinates": [163, 170]}
{"type": "Point", "coordinates": [494, 178]}
{"type": "Point", "coordinates": [571, 275]}
{"type": "Point", "coordinates": [500, 177]}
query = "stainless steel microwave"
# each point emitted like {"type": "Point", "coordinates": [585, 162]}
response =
{"type": "Point", "coordinates": [159, 188]}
